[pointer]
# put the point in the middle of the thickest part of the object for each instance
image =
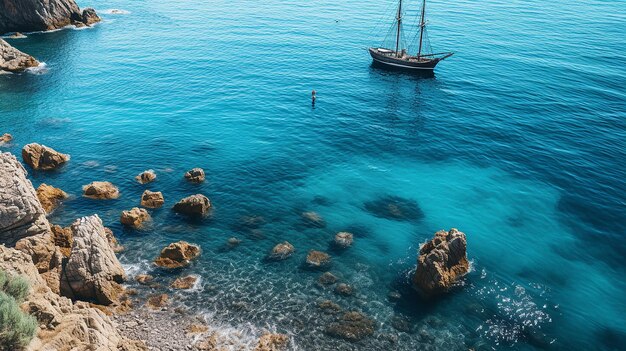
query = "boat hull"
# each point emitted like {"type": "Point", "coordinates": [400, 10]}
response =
{"type": "Point", "coordinates": [397, 63]}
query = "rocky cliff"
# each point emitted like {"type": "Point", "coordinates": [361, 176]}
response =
{"type": "Point", "coordinates": [40, 15]}
{"type": "Point", "coordinates": [13, 60]}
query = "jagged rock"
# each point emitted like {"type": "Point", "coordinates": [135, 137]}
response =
{"type": "Point", "coordinates": [177, 255]}
{"type": "Point", "coordinates": [21, 213]}
{"type": "Point", "coordinates": [195, 205]}
{"type": "Point", "coordinates": [62, 238]}
{"type": "Point", "coordinates": [152, 199]}
{"type": "Point", "coordinates": [344, 289]}
{"type": "Point", "coordinates": [313, 219]}
{"type": "Point", "coordinates": [13, 60]}
{"type": "Point", "coordinates": [41, 15]}
{"type": "Point", "coordinates": [329, 307]}
{"type": "Point", "coordinates": [112, 240]}
{"type": "Point", "coordinates": [157, 301]}
{"type": "Point", "coordinates": [5, 138]}
{"type": "Point", "coordinates": [281, 251]}
{"type": "Point", "coordinates": [50, 196]}
{"type": "Point", "coordinates": [42, 157]}
{"type": "Point", "coordinates": [272, 342]}
{"type": "Point", "coordinates": [146, 176]}
{"type": "Point", "coordinates": [184, 282]}
{"type": "Point", "coordinates": [441, 262]}
{"type": "Point", "coordinates": [92, 272]}
{"type": "Point", "coordinates": [195, 175]}
{"type": "Point", "coordinates": [144, 279]}
{"type": "Point", "coordinates": [101, 190]}
{"type": "Point", "coordinates": [327, 279]}
{"type": "Point", "coordinates": [352, 326]}
{"type": "Point", "coordinates": [135, 217]}
{"type": "Point", "coordinates": [317, 259]}
{"type": "Point", "coordinates": [343, 239]}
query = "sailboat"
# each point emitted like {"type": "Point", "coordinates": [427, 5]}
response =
{"type": "Point", "coordinates": [400, 58]}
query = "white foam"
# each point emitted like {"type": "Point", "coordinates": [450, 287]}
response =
{"type": "Point", "coordinates": [42, 68]}
{"type": "Point", "coordinates": [114, 12]}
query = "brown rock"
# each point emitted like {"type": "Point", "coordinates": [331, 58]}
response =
{"type": "Point", "coordinates": [144, 279]}
{"type": "Point", "coordinates": [177, 255]}
{"type": "Point", "coordinates": [352, 326]}
{"type": "Point", "coordinates": [12, 59]}
{"type": "Point", "coordinates": [146, 177]}
{"type": "Point", "coordinates": [441, 262]}
{"type": "Point", "coordinates": [327, 279]}
{"type": "Point", "coordinates": [152, 199]}
{"type": "Point", "coordinates": [42, 157]}
{"type": "Point", "coordinates": [50, 197]}
{"type": "Point", "coordinates": [101, 191]}
{"type": "Point", "coordinates": [135, 217]}
{"type": "Point", "coordinates": [343, 239]}
{"type": "Point", "coordinates": [157, 301]}
{"type": "Point", "coordinates": [195, 205]}
{"type": "Point", "coordinates": [313, 219]}
{"type": "Point", "coordinates": [62, 238]}
{"type": "Point", "coordinates": [195, 175]}
{"type": "Point", "coordinates": [5, 138]}
{"type": "Point", "coordinates": [112, 240]}
{"type": "Point", "coordinates": [184, 282]}
{"type": "Point", "coordinates": [272, 342]}
{"type": "Point", "coordinates": [196, 328]}
{"type": "Point", "coordinates": [282, 251]}
{"type": "Point", "coordinates": [317, 259]}
{"type": "Point", "coordinates": [89, 16]}
{"type": "Point", "coordinates": [208, 344]}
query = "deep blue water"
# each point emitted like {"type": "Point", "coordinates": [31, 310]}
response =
{"type": "Point", "coordinates": [519, 140]}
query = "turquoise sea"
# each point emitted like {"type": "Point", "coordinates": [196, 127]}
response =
{"type": "Point", "coordinates": [519, 140]}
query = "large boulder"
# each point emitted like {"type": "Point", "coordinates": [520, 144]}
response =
{"type": "Point", "coordinates": [177, 255]}
{"type": "Point", "coordinates": [42, 157]}
{"type": "Point", "coordinates": [21, 214]}
{"type": "Point", "coordinates": [281, 251]}
{"type": "Point", "coordinates": [134, 217]}
{"type": "Point", "coordinates": [441, 262]}
{"type": "Point", "coordinates": [152, 199]}
{"type": "Point", "coordinates": [50, 196]}
{"type": "Point", "coordinates": [13, 60]}
{"type": "Point", "coordinates": [92, 272]}
{"type": "Point", "coordinates": [101, 191]}
{"type": "Point", "coordinates": [41, 15]}
{"type": "Point", "coordinates": [195, 205]}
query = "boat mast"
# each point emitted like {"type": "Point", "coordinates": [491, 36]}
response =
{"type": "Point", "coordinates": [399, 19]}
{"type": "Point", "coordinates": [422, 25]}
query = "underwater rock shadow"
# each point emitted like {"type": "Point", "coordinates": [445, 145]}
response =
{"type": "Point", "coordinates": [394, 208]}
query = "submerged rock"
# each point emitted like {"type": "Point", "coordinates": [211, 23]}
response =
{"type": "Point", "coordinates": [195, 175]}
{"type": "Point", "coordinates": [42, 157]}
{"type": "Point", "coordinates": [146, 176]}
{"type": "Point", "coordinates": [329, 307]}
{"type": "Point", "coordinates": [232, 242]}
{"type": "Point", "coordinates": [5, 138]}
{"type": "Point", "coordinates": [195, 205]}
{"type": "Point", "coordinates": [152, 199]}
{"type": "Point", "coordinates": [101, 191]}
{"type": "Point", "coordinates": [344, 289]}
{"type": "Point", "coordinates": [344, 239]}
{"type": "Point", "coordinates": [281, 251]}
{"type": "Point", "coordinates": [50, 196]}
{"type": "Point", "coordinates": [177, 255]}
{"type": "Point", "coordinates": [312, 219]}
{"type": "Point", "coordinates": [135, 217]}
{"type": "Point", "coordinates": [13, 60]}
{"type": "Point", "coordinates": [42, 15]}
{"type": "Point", "coordinates": [327, 279]}
{"type": "Point", "coordinates": [441, 262]}
{"type": "Point", "coordinates": [317, 259]}
{"type": "Point", "coordinates": [352, 326]}
{"type": "Point", "coordinates": [272, 342]}
{"type": "Point", "coordinates": [395, 208]}
{"type": "Point", "coordinates": [184, 282]}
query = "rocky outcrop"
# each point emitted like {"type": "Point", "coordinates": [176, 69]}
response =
{"type": "Point", "coordinates": [63, 324]}
{"type": "Point", "coordinates": [45, 256]}
{"type": "Point", "coordinates": [13, 60]}
{"type": "Point", "coordinates": [281, 251]}
{"type": "Point", "coordinates": [134, 217]}
{"type": "Point", "coordinates": [21, 214]}
{"type": "Point", "coordinates": [272, 342]}
{"type": "Point", "coordinates": [101, 191]}
{"type": "Point", "coordinates": [40, 15]}
{"type": "Point", "coordinates": [152, 199]}
{"type": "Point", "coordinates": [195, 206]}
{"type": "Point", "coordinates": [195, 175]}
{"type": "Point", "coordinates": [441, 262]}
{"type": "Point", "coordinates": [317, 259]}
{"type": "Point", "coordinates": [92, 272]}
{"type": "Point", "coordinates": [62, 238]}
{"type": "Point", "coordinates": [50, 196]}
{"type": "Point", "coordinates": [42, 157]}
{"type": "Point", "coordinates": [177, 255]}
{"type": "Point", "coordinates": [146, 176]}
{"type": "Point", "coordinates": [344, 239]}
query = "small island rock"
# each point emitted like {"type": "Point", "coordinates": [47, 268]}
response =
{"type": "Point", "coordinates": [195, 175]}
{"type": "Point", "coordinates": [282, 251]}
{"type": "Point", "coordinates": [177, 255]}
{"type": "Point", "coordinates": [135, 217]}
{"type": "Point", "coordinates": [195, 205]}
{"type": "Point", "coordinates": [152, 199]}
{"type": "Point", "coordinates": [317, 259]}
{"type": "Point", "coordinates": [42, 157]}
{"type": "Point", "coordinates": [146, 176]}
{"type": "Point", "coordinates": [101, 190]}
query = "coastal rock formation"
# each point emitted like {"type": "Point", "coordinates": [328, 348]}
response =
{"type": "Point", "coordinates": [45, 256]}
{"type": "Point", "coordinates": [317, 259]}
{"type": "Point", "coordinates": [6, 137]}
{"type": "Point", "coordinates": [92, 272]}
{"type": "Point", "coordinates": [146, 176]}
{"type": "Point", "coordinates": [42, 157]}
{"type": "Point", "coordinates": [135, 217]}
{"type": "Point", "coordinates": [343, 239]}
{"type": "Point", "coordinates": [272, 342]}
{"type": "Point", "coordinates": [195, 175]}
{"type": "Point", "coordinates": [352, 326]}
{"type": "Point", "coordinates": [184, 282]}
{"type": "Point", "coordinates": [112, 240]}
{"type": "Point", "coordinates": [101, 190]}
{"type": "Point", "coordinates": [41, 15]}
{"type": "Point", "coordinates": [50, 196]}
{"type": "Point", "coordinates": [13, 60]}
{"type": "Point", "coordinates": [152, 199]}
{"type": "Point", "coordinates": [21, 214]}
{"type": "Point", "coordinates": [281, 251]}
{"type": "Point", "coordinates": [177, 255]}
{"type": "Point", "coordinates": [195, 205]}
{"type": "Point", "coordinates": [62, 238]}
{"type": "Point", "coordinates": [313, 219]}
{"type": "Point", "coordinates": [441, 262]}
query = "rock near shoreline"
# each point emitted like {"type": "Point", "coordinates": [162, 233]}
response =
{"type": "Point", "coordinates": [42, 15]}
{"type": "Point", "coordinates": [13, 60]}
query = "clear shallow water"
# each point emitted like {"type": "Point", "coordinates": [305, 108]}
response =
{"type": "Point", "coordinates": [519, 141]}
